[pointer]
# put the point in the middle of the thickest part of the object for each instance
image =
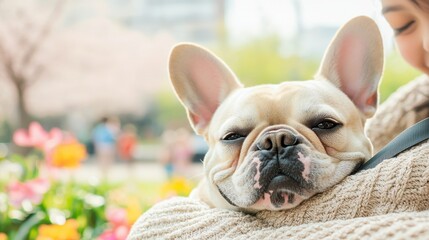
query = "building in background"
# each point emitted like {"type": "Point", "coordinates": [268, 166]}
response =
{"type": "Point", "coordinates": [200, 21]}
{"type": "Point", "coordinates": [187, 20]}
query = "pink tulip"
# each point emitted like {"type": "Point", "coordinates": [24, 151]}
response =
{"type": "Point", "coordinates": [32, 190]}
{"type": "Point", "coordinates": [116, 216]}
{"type": "Point", "coordinates": [118, 233]}
{"type": "Point", "coordinates": [121, 232]}
{"type": "Point", "coordinates": [107, 235]}
{"type": "Point", "coordinates": [37, 137]}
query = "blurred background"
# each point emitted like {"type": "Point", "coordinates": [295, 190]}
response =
{"type": "Point", "coordinates": [69, 63]}
{"type": "Point", "coordinates": [97, 70]}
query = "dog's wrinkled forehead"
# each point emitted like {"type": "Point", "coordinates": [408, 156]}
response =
{"type": "Point", "coordinates": [279, 104]}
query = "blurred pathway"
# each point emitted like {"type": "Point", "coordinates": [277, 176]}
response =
{"type": "Point", "coordinates": [139, 171]}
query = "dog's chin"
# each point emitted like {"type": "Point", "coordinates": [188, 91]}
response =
{"type": "Point", "coordinates": [280, 195]}
{"type": "Point", "coordinates": [282, 192]}
{"type": "Point", "coordinates": [280, 200]}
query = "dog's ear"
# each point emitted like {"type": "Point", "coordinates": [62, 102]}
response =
{"type": "Point", "coordinates": [354, 62]}
{"type": "Point", "coordinates": [201, 81]}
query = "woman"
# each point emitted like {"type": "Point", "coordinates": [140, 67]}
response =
{"type": "Point", "coordinates": [409, 20]}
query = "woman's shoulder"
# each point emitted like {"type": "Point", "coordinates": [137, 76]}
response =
{"type": "Point", "coordinates": [419, 84]}
{"type": "Point", "coordinates": [406, 106]}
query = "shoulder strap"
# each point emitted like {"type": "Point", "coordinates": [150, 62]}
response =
{"type": "Point", "coordinates": [406, 139]}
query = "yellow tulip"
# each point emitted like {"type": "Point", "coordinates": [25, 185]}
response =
{"type": "Point", "coordinates": [177, 186]}
{"type": "Point", "coordinates": [68, 155]}
{"type": "Point", "coordinates": [134, 210]}
{"type": "Point", "coordinates": [3, 236]}
{"type": "Point", "coordinates": [67, 231]}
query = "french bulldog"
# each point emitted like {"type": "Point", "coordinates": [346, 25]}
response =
{"type": "Point", "coordinates": [273, 146]}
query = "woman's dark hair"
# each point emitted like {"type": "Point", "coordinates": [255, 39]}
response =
{"type": "Point", "coordinates": [423, 4]}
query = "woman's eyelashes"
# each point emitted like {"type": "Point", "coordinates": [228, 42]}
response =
{"type": "Point", "coordinates": [404, 28]}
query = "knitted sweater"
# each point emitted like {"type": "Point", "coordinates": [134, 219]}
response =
{"type": "Point", "coordinates": [390, 201]}
{"type": "Point", "coordinates": [408, 105]}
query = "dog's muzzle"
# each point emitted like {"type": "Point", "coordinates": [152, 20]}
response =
{"type": "Point", "coordinates": [276, 140]}
{"type": "Point", "coordinates": [281, 170]}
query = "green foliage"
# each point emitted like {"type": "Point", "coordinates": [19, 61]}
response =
{"type": "Point", "coordinates": [5, 132]}
{"type": "Point", "coordinates": [85, 202]}
{"type": "Point", "coordinates": [396, 74]}
{"type": "Point", "coordinates": [69, 200]}
{"type": "Point", "coordinates": [261, 62]}
{"type": "Point", "coordinates": [172, 112]}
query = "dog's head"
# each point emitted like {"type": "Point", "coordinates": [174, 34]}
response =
{"type": "Point", "coordinates": [273, 146]}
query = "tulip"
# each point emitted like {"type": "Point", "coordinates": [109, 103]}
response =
{"type": "Point", "coordinates": [68, 155]}
{"type": "Point", "coordinates": [59, 232]}
{"type": "Point", "coordinates": [3, 236]}
{"type": "Point", "coordinates": [177, 186]}
{"type": "Point", "coordinates": [117, 218]}
{"type": "Point", "coordinates": [37, 137]}
{"type": "Point", "coordinates": [32, 190]}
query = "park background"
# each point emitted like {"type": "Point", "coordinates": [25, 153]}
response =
{"type": "Point", "coordinates": [66, 64]}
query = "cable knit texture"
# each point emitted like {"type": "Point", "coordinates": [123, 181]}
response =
{"type": "Point", "coordinates": [408, 105]}
{"type": "Point", "coordinates": [390, 201]}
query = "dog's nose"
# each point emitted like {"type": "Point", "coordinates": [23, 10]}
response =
{"type": "Point", "coordinates": [277, 139]}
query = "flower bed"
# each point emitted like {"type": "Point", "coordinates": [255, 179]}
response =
{"type": "Point", "coordinates": [36, 204]}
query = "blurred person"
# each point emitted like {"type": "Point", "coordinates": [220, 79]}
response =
{"type": "Point", "coordinates": [409, 20]}
{"type": "Point", "coordinates": [127, 141]}
{"type": "Point", "coordinates": [166, 158]}
{"type": "Point", "coordinates": [182, 151]}
{"type": "Point", "coordinates": [178, 152]}
{"type": "Point", "coordinates": [104, 137]}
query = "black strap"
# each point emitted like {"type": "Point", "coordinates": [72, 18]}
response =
{"type": "Point", "coordinates": [406, 139]}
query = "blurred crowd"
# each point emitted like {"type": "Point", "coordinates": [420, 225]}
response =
{"type": "Point", "coordinates": [111, 142]}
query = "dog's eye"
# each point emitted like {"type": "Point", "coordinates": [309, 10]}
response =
{"type": "Point", "coordinates": [325, 124]}
{"type": "Point", "coordinates": [231, 136]}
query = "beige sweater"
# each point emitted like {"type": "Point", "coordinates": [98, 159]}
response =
{"type": "Point", "coordinates": [408, 105]}
{"type": "Point", "coordinates": [390, 201]}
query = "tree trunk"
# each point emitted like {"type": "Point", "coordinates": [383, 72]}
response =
{"type": "Point", "coordinates": [23, 117]}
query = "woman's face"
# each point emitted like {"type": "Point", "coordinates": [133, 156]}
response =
{"type": "Point", "coordinates": [410, 23]}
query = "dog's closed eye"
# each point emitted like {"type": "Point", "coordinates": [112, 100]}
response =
{"type": "Point", "coordinates": [232, 136]}
{"type": "Point", "coordinates": [325, 124]}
